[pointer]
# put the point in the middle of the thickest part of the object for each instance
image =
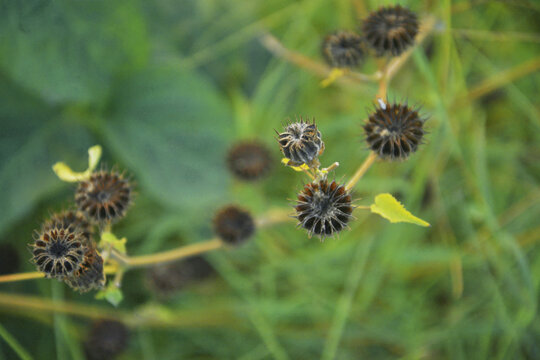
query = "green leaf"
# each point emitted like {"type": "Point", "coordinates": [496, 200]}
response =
{"type": "Point", "coordinates": [109, 239]}
{"type": "Point", "coordinates": [391, 209]}
{"type": "Point", "coordinates": [64, 172]}
{"type": "Point", "coordinates": [111, 293]}
{"type": "Point", "coordinates": [70, 50]}
{"type": "Point", "coordinates": [169, 127]}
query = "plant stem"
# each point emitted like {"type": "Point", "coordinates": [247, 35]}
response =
{"type": "Point", "coordinates": [361, 170]}
{"type": "Point", "coordinates": [38, 275]}
{"type": "Point", "coordinates": [174, 254]}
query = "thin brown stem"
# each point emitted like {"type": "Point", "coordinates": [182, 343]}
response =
{"type": "Point", "coordinates": [361, 170]}
{"type": "Point", "coordinates": [38, 275]}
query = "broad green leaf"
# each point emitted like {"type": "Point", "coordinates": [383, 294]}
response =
{"type": "Point", "coordinates": [70, 50]}
{"type": "Point", "coordinates": [111, 293]}
{"type": "Point", "coordinates": [391, 209]}
{"type": "Point", "coordinates": [65, 173]}
{"type": "Point", "coordinates": [169, 127]}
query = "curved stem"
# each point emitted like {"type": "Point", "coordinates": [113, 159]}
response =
{"type": "Point", "coordinates": [361, 170]}
{"type": "Point", "coordinates": [111, 269]}
{"type": "Point", "coordinates": [174, 254]}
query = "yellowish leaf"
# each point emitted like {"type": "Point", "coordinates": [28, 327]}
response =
{"type": "Point", "coordinates": [391, 209]}
{"type": "Point", "coordinates": [109, 239]}
{"type": "Point", "coordinates": [302, 167]}
{"type": "Point", "coordinates": [334, 74]}
{"type": "Point", "coordinates": [64, 172]}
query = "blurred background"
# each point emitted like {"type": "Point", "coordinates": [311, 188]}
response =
{"type": "Point", "coordinates": [167, 87]}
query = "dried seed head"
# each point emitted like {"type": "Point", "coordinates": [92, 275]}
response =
{"type": "Point", "coordinates": [90, 274]}
{"type": "Point", "coordinates": [58, 251]}
{"type": "Point", "coordinates": [249, 161]}
{"type": "Point", "coordinates": [104, 197]}
{"type": "Point", "coordinates": [301, 142]}
{"type": "Point", "coordinates": [343, 49]}
{"type": "Point", "coordinates": [391, 30]}
{"type": "Point", "coordinates": [324, 209]}
{"type": "Point", "coordinates": [9, 259]}
{"type": "Point", "coordinates": [106, 340]}
{"type": "Point", "coordinates": [234, 225]}
{"type": "Point", "coordinates": [71, 219]}
{"type": "Point", "coordinates": [394, 131]}
{"type": "Point", "coordinates": [165, 279]}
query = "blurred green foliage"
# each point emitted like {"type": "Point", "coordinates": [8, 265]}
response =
{"type": "Point", "coordinates": [166, 86]}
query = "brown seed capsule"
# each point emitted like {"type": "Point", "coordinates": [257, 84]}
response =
{"type": "Point", "coordinates": [71, 219]}
{"type": "Point", "coordinates": [301, 142]}
{"type": "Point", "coordinates": [58, 252]}
{"type": "Point", "coordinates": [343, 49]}
{"type": "Point", "coordinates": [249, 161]}
{"type": "Point", "coordinates": [323, 208]}
{"type": "Point", "coordinates": [165, 279]}
{"type": "Point", "coordinates": [234, 225]}
{"type": "Point", "coordinates": [391, 30]}
{"type": "Point", "coordinates": [394, 131]}
{"type": "Point", "coordinates": [106, 340]}
{"type": "Point", "coordinates": [90, 274]}
{"type": "Point", "coordinates": [104, 197]}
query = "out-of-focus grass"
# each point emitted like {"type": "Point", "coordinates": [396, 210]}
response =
{"type": "Point", "coordinates": [165, 86]}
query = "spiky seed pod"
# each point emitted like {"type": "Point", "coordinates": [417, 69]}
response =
{"type": "Point", "coordinates": [234, 225]}
{"type": "Point", "coordinates": [67, 219]}
{"type": "Point", "coordinates": [390, 30]}
{"type": "Point", "coordinates": [9, 259]}
{"type": "Point", "coordinates": [301, 142]}
{"type": "Point", "coordinates": [105, 197]}
{"type": "Point", "coordinates": [90, 274]}
{"type": "Point", "coordinates": [394, 131]}
{"type": "Point", "coordinates": [323, 208]}
{"type": "Point", "coordinates": [58, 251]}
{"type": "Point", "coordinates": [343, 49]}
{"type": "Point", "coordinates": [165, 279]}
{"type": "Point", "coordinates": [106, 340]}
{"type": "Point", "coordinates": [249, 161]}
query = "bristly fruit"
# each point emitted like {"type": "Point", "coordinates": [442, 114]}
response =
{"type": "Point", "coordinates": [301, 142]}
{"type": "Point", "coordinates": [343, 49]}
{"type": "Point", "coordinates": [391, 30]}
{"type": "Point", "coordinates": [58, 251]}
{"type": "Point", "coordinates": [67, 219]}
{"type": "Point", "coordinates": [249, 160]}
{"type": "Point", "coordinates": [90, 274]}
{"type": "Point", "coordinates": [234, 225]}
{"type": "Point", "coordinates": [323, 208]}
{"type": "Point", "coordinates": [394, 131]}
{"type": "Point", "coordinates": [106, 340]}
{"type": "Point", "coordinates": [104, 197]}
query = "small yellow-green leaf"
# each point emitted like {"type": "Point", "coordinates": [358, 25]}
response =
{"type": "Point", "coordinates": [334, 74]}
{"type": "Point", "coordinates": [94, 154]}
{"type": "Point", "coordinates": [111, 293]}
{"type": "Point", "coordinates": [108, 239]}
{"type": "Point", "coordinates": [302, 167]}
{"type": "Point", "coordinates": [65, 173]}
{"type": "Point", "coordinates": [391, 209]}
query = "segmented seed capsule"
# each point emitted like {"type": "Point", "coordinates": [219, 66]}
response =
{"type": "Point", "coordinates": [106, 340]}
{"type": "Point", "coordinates": [394, 131]}
{"type": "Point", "coordinates": [105, 197]}
{"type": "Point", "coordinates": [323, 208]}
{"type": "Point", "coordinates": [58, 251]}
{"type": "Point", "coordinates": [391, 30]}
{"type": "Point", "coordinates": [343, 49]}
{"type": "Point", "coordinates": [249, 160]}
{"type": "Point", "coordinates": [67, 219]}
{"type": "Point", "coordinates": [234, 225]}
{"type": "Point", "coordinates": [90, 274]}
{"type": "Point", "coordinates": [301, 142]}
